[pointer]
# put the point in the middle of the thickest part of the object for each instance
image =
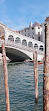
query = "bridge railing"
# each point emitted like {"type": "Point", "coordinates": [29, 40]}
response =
{"type": "Point", "coordinates": [20, 46]}
{"type": "Point", "coordinates": [23, 47]}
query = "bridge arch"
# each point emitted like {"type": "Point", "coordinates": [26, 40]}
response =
{"type": "Point", "coordinates": [30, 44]}
{"type": "Point", "coordinates": [24, 42]}
{"type": "Point", "coordinates": [36, 46]}
{"type": "Point", "coordinates": [41, 47]}
{"type": "Point", "coordinates": [17, 40]}
{"type": "Point", "coordinates": [11, 38]}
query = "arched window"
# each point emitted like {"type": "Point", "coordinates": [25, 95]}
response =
{"type": "Point", "coordinates": [41, 48]}
{"type": "Point", "coordinates": [17, 40]}
{"type": "Point", "coordinates": [24, 42]}
{"type": "Point", "coordinates": [39, 38]}
{"type": "Point", "coordinates": [36, 46]}
{"type": "Point", "coordinates": [11, 38]}
{"type": "Point", "coordinates": [32, 37]}
{"type": "Point", "coordinates": [30, 44]}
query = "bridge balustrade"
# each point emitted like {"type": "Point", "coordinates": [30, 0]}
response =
{"type": "Point", "coordinates": [20, 46]}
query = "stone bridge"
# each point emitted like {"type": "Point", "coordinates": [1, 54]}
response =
{"type": "Point", "coordinates": [19, 52]}
{"type": "Point", "coordinates": [20, 47]}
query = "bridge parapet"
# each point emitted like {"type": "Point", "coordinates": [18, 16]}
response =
{"type": "Point", "coordinates": [20, 46]}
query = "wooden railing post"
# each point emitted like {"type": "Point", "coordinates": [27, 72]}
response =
{"type": "Point", "coordinates": [36, 75]}
{"type": "Point", "coordinates": [5, 78]}
{"type": "Point", "coordinates": [46, 71]}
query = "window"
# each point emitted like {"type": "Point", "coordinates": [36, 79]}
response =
{"type": "Point", "coordinates": [24, 42]}
{"type": "Point", "coordinates": [32, 28]}
{"type": "Point", "coordinates": [38, 27]}
{"type": "Point", "coordinates": [17, 40]}
{"type": "Point", "coordinates": [32, 37]}
{"type": "Point", "coordinates": [30, 44]}
{"type": "Point", "coordinates": [39, 38]}
{"type": "Point", "coordinates": [38, 33]}
{"type": "Point", "coordinates": [41, 48]}
{"type": "Point", "coordinates": [36, 46]}
{"type": "Point", "coordinates": [11, 38]}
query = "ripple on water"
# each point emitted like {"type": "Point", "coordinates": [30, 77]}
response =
{"type": "Point", "coordinates": [21, 88]}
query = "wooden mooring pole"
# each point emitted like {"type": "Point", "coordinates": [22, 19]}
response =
{"type": "Point", "coordinates": [46, 71]}
{"type": "Point", "coordinates": [36, 75]}
{"type": "Point", "coordinates": [5, 78]}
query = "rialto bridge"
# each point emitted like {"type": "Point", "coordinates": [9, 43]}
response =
{"type": "Point", "coordinates": [20, 47]}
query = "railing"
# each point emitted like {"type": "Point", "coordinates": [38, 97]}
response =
{"type": "Point", "coordinates": [20, 46]}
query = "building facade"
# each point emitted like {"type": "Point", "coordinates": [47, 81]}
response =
{"type": "Point", "coordinates": [34, 31]}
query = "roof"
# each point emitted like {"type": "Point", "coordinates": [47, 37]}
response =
{"type": "Point", "coordinates": [36, 24]}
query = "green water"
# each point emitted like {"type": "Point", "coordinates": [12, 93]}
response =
{"type": "Point", "coordinates": [21, 88]}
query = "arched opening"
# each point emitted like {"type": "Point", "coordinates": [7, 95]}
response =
{"type": "Point", "coordinates": [17, 40]}
{"type": "Point", "coordinates": [41, 48]}
{"type": "Point", "coordinates": [11, 38]}
{"type": "Point", "coordinates": [36, 46]}
{"type": "Point", "coordinates": [30, 44]}
{"type": "Point", "coordinates": [24, 42]}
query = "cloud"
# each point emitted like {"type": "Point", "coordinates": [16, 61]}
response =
{"type": "Point", "coordinates": [17, 24]}
{"type": "Point", "coordinates": [26, 12]}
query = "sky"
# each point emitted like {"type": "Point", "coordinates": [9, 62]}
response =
{"type": "Point", "coordinates": [17, 14]}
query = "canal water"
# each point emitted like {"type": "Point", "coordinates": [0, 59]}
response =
{"type": "Point", "coordinates": [21, 87]}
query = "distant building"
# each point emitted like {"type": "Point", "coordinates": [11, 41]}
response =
{"type": "Point", "coordinates": [34, 31]}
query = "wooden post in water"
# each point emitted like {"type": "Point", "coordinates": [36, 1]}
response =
{"type": "Point", "coordinates": [5, 78]}
{"type": "Point", "coordinates": [36, 75]}
{"type": "Point", "coordinates": [46, 71]}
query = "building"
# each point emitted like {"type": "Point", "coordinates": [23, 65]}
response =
{"type": "Point", "coordinates": [34, 31]}
{"type": "Point", "coordinates": [18, 46]}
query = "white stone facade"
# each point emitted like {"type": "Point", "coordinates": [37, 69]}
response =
{"type": "Point", "coordinates": [34, 31]}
